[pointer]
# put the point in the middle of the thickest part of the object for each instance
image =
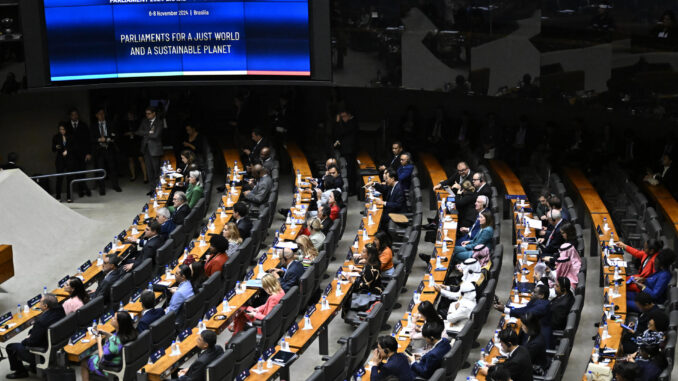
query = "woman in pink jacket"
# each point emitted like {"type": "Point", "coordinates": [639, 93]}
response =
{"type": "Point", "coordinates": [271, 285]}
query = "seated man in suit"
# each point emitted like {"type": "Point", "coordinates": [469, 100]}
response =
{"type": "Point", "coordinates": [112, 273]}
{"type": "Point", "coordinates": [150, 313]}
{"type": "Point", "coordinates": [538, 306]}
{"type": "Point", "coordinates": [432, 332]}
{"type": "Point", "coordinates": [261, 187]}
{"type": "Point", "coordinates": [18, 353]}
{"type": "Point", "coordinates": [210, 351]}
{"type": "Point", "coordinates": [163, 215]}
{"type": "Point", "coordinates": [393, 195]}
{"type": "Point", "coordinates": [150, 242]}
{"type": "Point", "coordinates": [550, 244]}
{"type": "Point", "coordinates": [291, 270]}
{"type": "Point", "coordinates": [518, 362]}
{"type": "Point", "coordinates": [240, 212]}
{"type": "Point", "coordinates": [254, 153]}
{"type": "Point", "coordinates": [267, 160]}
{"type": "Point", "coordinates": [666, 175]}
{"type": "Point", "coordinates": [180, 208]}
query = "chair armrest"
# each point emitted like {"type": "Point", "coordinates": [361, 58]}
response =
{"type": "Point", "coordinates": [362, 314]}
{"type": "Point", "coordinates": [342, 340]}
{"type": "Point", "coordinates": [558, 333]}
{"type": "Point", "coordinates": [257, 323]}
{"type": "Point", "coordinates": [37, 350]}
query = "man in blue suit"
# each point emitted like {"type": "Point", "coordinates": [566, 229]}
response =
{"type": "Point", "coordinates": [149, 314]}
{"type": "Point", "coordinates": [538, 306]}
{"type": "Point", "coordinates": [405, 170]}
{"type": "Point", "coordinates": [392, 193]}
{"type": "Point", "coordinates": [291, 270]}
{"type": "Point", "coordinates": [480, 205]}
{"type": "Point", "coordinates": [432, 332]}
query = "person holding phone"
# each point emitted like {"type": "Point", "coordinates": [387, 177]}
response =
{"type": "Point", "coordinates": [109, 345]}
{"type": "Point", "coordinates": [431, 360]}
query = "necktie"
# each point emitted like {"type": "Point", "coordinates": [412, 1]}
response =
{"type": "Point", "coordinates": [102, 129]}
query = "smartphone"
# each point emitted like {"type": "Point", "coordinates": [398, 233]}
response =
{"type": "Point", "coordinates": [408, 352]}
{"type": "Point", "coordinates": [631, 329]}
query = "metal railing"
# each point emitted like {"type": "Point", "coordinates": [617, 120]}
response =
{"type": "Point", "coordinates": [81, 180]}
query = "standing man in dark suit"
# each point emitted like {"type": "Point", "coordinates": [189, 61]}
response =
{"type": "Point", "coordinates": [242, 221]}
{"type": "Point", "coordinates": [18, 353]}
{"type": "Point", "coordinates": [345, 139]}
{"type": "Point", "coordinates": [150, 242]}
{"type": "Point", "coordinates": [392, 193]}
{"type": "Point", "coordinates": [254, 153]}
{"type": "Point", "coordinates": [181, 208]}
{"type": "Point", "coordinates": [81, 148]}
{"type": "Point", "coordinates": [394, 161]}
{"type": "Point", "coordinates": [518, 362]}
{"type": "Point", "coordinates": [150, 313]}
{"type": "Point", "coordinates": [112, 272]}
{"type": "Point", "coordinates": [105, 149]}
{"type": "Point", "coordinates": [551, 243]}
{"type": "Point", "coordinates": [207, 342]}
{"type": "Point", "coordinates": [290, 272]}
{"type": "Point", "coordinates": [150, 131]}
{"type": "Point", "coordinates": [432, 332]}
{"type": "Point", "coordinates": [463, 173]}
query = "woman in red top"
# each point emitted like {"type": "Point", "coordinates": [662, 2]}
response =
{"type": "Point", "coordinates": [646, 257]}
{"type": "Point", "coordinates": [217, 255]}
{"type": "Point", "coordinates": [335, 204]}
{"type": "Point", "coordinates": [271, 285]}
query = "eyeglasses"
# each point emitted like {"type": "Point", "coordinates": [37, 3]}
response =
{"type": "Point", "coordinates": [462, 170]}
{"type": "Point", "coordinates": [476, 179]}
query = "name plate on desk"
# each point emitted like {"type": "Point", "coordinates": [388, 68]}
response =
{"type": "Point", "coordinates": [155, 356]}
{"type": "Point", "coordinates": [156, 279]}
{"type": "Point", "coordinates": [230, 294]}
{"type": "Point", "coordinates": [135, 221]}
{"type": "Point", "coordinates": [5, 318]}
{"type": "Point", "coordinates": [106, 317]}
{"type": "Point", "coordinates": [362, 225]}
{"type": "Point", "coordinates": [211, 312]}
{"type": "Point", "coordinates": [294, 328]}
{"type": "Point", "coordinates": [249, 275]}
{"type": "Point", "coordinates": [283, 228]}
{"type": "Point", "coordinates": [421, 286]}
{"type": "Point", "coordinates": [62, 281]}
{"type": "Point", "coordinates": [85, 266]}
{"type": "Point", "coordinates": [122, 235]}
{"type": "Point", "coordinates": [359, 373]}
{"type": "Point", "coordinates": [242, 376]}
{"type": "Point", "coordinates": [338, 273]}
{"type": "Point", "coordinates": [429, 268]}
{"type": "Point", "coordinates": [136, 295]}
{"type": "Point", "coordinates": [145, 207]}
{"type": "Point", "coordinates": [310, 310]}
{"type": "Point", "coordinates": [411, 305]}
{"type": "Point", "coordinates": [349, 256]}
{"type": "Point", "coordinates": [516, 197]}
{"type": "Point", "coordinates": [34, 300]}
{"type": "Point", "coordinates": [184, 334]}
{"type": "Point", "coordinates": [397, 327]}
{"type": "Point", "coordinates": [263, 258]}
{"type": "Point", "coordinates": [191, 246]}
{"type": "Point", "coordinates": [108, 247]}
{"type": "Point", "coordinates": [502, 321]}
{"type": "Point", "coordinates": [489, 347]}
{"type": "Point", "coordinates": [203, 231]}
{"type": "Point", "coordinates": [213, 216]}
{"type": "Point", "coordinates": [328, 289]}
{"type": "Point", "coordinates": [78, 335]}
{"type": "Point", "coordinates": [268, 353]}
{"type": "Point", "coordinates": [476, 369]}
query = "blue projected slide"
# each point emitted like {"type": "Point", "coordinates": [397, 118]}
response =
{"type": "Point", "coordinates": [98, 39]}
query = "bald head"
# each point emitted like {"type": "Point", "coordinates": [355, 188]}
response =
{"type": "Point", "coordinates": [258, 170]}
{"type": "Point", "coordinates": [331, 161]}
{"type": "Point", "coordinates": [265, 153]}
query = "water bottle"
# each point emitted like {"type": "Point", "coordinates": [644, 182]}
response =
{"type": "Point", "coordinates": [277, 234]}
{"type": "Point", "coordinates": [589, 376]}
{"type": "Point", "coordinates": [496, 336]}
{"type": "Point", "coordinates": [94, 326]}
{"type": "Point", "coordinates": [175, 348]}
{"type": "Point", "coordinates": [611, 238]}
{"type": "Point", "coordinates": [431, 281]}
{"type": "Point", "coordinates": [260, 364]}
{"type": "Point", "coordinates": [307, 322]}
{"type": "Point", "coordinates": [325, 305]}
{"type": "Point", "coordinates": [482, 354]}
{"type": "Point", "coordinates": [235, 168]}
{"type": "Point", "coordinates": [150, 286]}
{"type": "Point", "coordinates": [121, 307]}
{"type": "Point", "coordinates": [44, 290]}
{"type": "Point", "coordinates": [19, 311]}
{"type": "Point", "coordinates": [516, 296]}
{"type": "Point", "coordinates": [201, 326]}
{"type": "Point", "coordinates": [168, 273]}
{"type": "Point", "coordinates": [605, 332]}
{"type": "Point", "coordinates": [237, 287]}
{"type": "Point", "coordinates": [409, 319]}
{"type": "Point", "coordinates": [224, 305]}
{"type": "Point", "coordinates": [284, 345]}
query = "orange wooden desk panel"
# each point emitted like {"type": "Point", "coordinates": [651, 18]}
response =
{"type": "Point", "coordinates": [157, 370]}
{"type": "Point", "coordinates": [169, 156]}
{"type": "Point", "coordinates": [665, 200]}
{"type": "Point", "coordinates": [78, 351]}
{"type": "Point", "coordinates": [299, 339]}
{"type": "Point", "coordinates": [511, 182]}
{"type": "Point", "coordinates": [269, 373]}
{"type": "Point", "coordinates": [435, 170]}
{"type": "Point", "coordinates": [365, 161]}
{"type": "Point", "coordinates": [231, 156]}
{"type": "Point", "coordinates": [578, 179]}
{"type": "Point", "coordinates": [6, 262]}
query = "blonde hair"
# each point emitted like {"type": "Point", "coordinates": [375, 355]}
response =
{"type": "Point", "coordinates": [315, 224]}
{"type": "Point", "coordinates": [271, 284]}
{"type": "Point", "coordinates": [234, 232]}
{"type": "Point", "coordinates": [307, 246]}
{"type": "Point", "coordinates": [468, 186]}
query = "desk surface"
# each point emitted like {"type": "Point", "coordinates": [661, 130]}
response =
{"type": "Point", "coordinates": [435, 170]}
{"type": "Point", "coordinates": [665, 200]}
{"type": "Point", "coordinates": [510, 180]}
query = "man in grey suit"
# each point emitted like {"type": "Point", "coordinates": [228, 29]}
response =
{"type": "Point", "coordinates": [150, 130]}
{"type": "Point", "coordinates": [264, 183]}
{"type": "Point", "coordinates": [112, 272]}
